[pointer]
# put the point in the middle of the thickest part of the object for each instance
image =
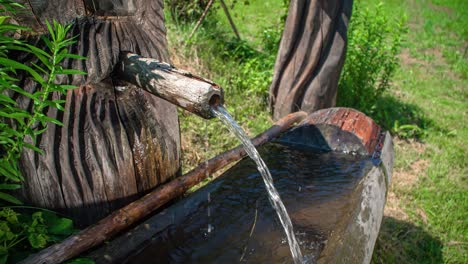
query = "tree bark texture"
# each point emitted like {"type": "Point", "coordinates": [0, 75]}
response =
{"type": "Point", "coordinates": [310, 56]}
{"type": "Point", "coordinates": [118, 142]}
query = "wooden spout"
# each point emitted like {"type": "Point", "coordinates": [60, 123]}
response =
{"type": "Point", "coordinates": [191, 92]}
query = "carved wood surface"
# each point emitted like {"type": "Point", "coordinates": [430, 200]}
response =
{"type": "Point", "coordinates": [117, 142]}
{"type": "Point", "coordinates": [310, 56]}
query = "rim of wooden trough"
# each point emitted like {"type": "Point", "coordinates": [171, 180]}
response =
{"type": "Point", "coordinates": [350, 120]}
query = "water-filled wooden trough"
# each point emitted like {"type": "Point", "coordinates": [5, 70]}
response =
{"type": "Point", "coordinates": [332, 171]}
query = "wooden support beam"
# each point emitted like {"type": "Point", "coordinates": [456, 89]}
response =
{"type": "Point", "coordinates": [231, 22]}
{"type": "Point", "coordinates": [193, 93]}
{"type": "Point", "coordinates": [123, 218]}
{"type": "Point", "coordinates": [208, 6]}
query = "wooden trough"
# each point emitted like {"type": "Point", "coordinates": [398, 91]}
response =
{"type": "Point", "coordinates": [335, 220]}
{"type": "Point", "coordinates": [336, 209]}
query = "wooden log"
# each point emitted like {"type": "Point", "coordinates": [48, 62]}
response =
{"type": "Point", "coordinates": [193, 93]}
{"type": "Point", "coordinates": [231, 22]}
{"type": "Point", "coordinates": [200, 20]}
{"type": "Point", "coordinates": [126, 216]}
{"type": "Point", "coordinates": [310, 56]}
{"type": "Point", "coordinates": [350, 120]}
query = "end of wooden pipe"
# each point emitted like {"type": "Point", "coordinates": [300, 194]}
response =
{"type": "Point", "coordinates": [182, 88]}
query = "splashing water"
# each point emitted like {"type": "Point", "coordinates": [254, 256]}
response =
{"type": "Point", "coordinates": [274, 197]}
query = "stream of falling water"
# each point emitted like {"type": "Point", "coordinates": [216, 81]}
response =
{"type": "Point", "coordinates": [273, 195]}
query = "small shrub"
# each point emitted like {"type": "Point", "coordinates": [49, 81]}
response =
{"type": "Point", "coordinates": [21, 234]}
{"type": "Point", "coordinates": [371, 60]}
{"type": "Point", "coordinates": [271, 37]}
{"type": "Point", "coordinates": [374, 43]}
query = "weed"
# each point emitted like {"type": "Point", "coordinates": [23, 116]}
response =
{"type": "Point", "coordinates": [20, 234]}
{"type": "Point", "coordinates": [20, 127]}
{"type": "Point", "coordinates": [374, 41]}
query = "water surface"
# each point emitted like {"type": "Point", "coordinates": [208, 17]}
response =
{"type": "Point", "coordinates": [231, 219]}
{"type": "Point", "coordinates": [273, 194]}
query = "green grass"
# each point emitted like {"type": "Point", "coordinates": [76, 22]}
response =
{"type": "Point", "coordinates": [426, 104]}
{"type": "Point", "coordinates": [252, 17]}
{"type": "Point", "coordinates": [433, 78]}
{"type": "Point", "coordinates": [243, 68]}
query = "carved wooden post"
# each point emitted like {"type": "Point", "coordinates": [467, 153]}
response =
{"type": "Point", "coordinates": [310, 56]}
{"type": "Point", "coordinates": [118, 142]}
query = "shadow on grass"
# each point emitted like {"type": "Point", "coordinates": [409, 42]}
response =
{"type": "Point", "coordinates": [400, 118]}
{"type": "Point", "coordinates": [403, 242]}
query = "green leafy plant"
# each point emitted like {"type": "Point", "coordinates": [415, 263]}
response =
{"type": "Point", "coordinates": [23, 233]}
{"type": "Point", "coordinates": [19, 128]}
{"type": "Point", "coordinates": [408, 131]}
{"type": "Point", "coordinates": [374, 43]}
{"type": "Point", "coordinates": [371, 63]}
{"type": "Point", "coordinates": [253, 70]}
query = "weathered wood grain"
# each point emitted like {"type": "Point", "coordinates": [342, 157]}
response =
{"type": "Point", "coordinates": [310, 56]}
{"type": "Point", "coordinates": [118, 142]}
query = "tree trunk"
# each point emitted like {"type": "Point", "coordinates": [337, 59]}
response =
{"type": "Point", "coordinates": [117, 143]}
{"type": "Point", "coordinates": [310, 57]}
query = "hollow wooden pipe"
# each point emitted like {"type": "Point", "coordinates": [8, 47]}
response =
{"type": "Point", "coordinates": [135, 211]}
{"type": "Point", "coordinates": [193, 93]}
